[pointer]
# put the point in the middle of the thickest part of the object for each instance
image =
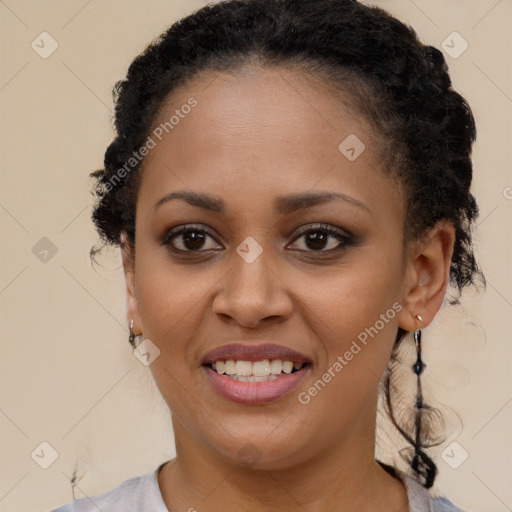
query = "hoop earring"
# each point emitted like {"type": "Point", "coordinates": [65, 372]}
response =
{"type": "Point", "coordinates": [135, 341]}
{"type": "Point", "coordinates": [418, 367]}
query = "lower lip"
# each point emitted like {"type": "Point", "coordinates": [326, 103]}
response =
{"type": "Point", "coordinates": [256, 392]}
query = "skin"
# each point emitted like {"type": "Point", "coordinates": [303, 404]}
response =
{"type": "Point", "coordinates": [256, 135]}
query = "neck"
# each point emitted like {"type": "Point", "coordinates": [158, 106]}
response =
{"type": "Point", "coordinates": [344, 478]}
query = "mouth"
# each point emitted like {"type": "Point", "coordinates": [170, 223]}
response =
{"type": "Point", "coordinates": [255, 374]}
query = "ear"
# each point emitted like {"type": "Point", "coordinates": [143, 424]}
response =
{"type": "Point", "coordinates": [132, 309]}
{"type": "Point", "coordinates": [427, 276]}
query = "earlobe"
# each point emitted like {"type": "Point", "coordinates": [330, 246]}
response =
{"type": "Point", "coordinates": [132, 310]}
{"type": "Point", "coordinates": [427, 275]}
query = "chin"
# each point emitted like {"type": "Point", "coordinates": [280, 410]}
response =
{"type": "Point", "coordinates": [263, 453]}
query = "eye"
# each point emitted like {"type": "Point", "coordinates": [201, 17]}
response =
{"type": "Point", "coordinates": [189, 239]}
{"type": "Point", "coordinates": [316, 238]}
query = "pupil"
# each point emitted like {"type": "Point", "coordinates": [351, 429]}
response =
{"type": "Point", "coordinates": [193, 240]}
{"type": "Point", "coordinates": [317, 239]}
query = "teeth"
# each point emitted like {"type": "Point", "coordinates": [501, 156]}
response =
{"type": "Point", "coordinates": [229, 367]}
{"type": "Point", "coordinates": [261, 368]}
{"type": "Point", "coordinates": [276, 366]}
{"type": "Point", "coordinates": [253, 378]}
{"type": "Point", "coordinates": [257, 371]}
{"type": "Point", "coordinates": [287, 366]}
{"type": "Point", "coordinates": [243, 368]}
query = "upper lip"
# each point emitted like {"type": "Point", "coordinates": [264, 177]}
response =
{"type": "Point", "coordinates": [245, 352]}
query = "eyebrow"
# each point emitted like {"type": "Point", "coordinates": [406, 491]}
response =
{"type": "Point", "coordinates": [284, 205]}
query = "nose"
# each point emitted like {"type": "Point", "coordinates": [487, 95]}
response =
{"type": "Point", "coordinates": [253, 293]}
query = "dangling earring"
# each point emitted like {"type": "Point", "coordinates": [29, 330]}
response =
{"type": "Point", "coordinates": [418, 368]}
{"type": "Point", "coordinates": [134, 340]}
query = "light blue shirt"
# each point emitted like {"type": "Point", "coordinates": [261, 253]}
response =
{"type": "Point", "coordinates": [142, 494]}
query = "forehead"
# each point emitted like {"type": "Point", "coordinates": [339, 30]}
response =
{"type": "Point", "coordinates": [269, 131]}
{"type": "Point", "coordinates": [256, 103]}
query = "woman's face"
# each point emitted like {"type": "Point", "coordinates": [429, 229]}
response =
{"type": "Point", "coordinates": [264, 147]}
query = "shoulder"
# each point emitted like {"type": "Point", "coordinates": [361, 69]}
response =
{"type": "Point", "coordinates": [443, 504]}
{"type": "Point", "coordinates": [421, 500]}
{"type": "Point", "coordinates": [138, 493]}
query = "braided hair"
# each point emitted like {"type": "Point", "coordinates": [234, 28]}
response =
{"type": "Point", "coordinates": [423, 129]}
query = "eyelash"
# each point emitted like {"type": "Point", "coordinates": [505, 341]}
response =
{"type": "Point", "coordinates": [343, 237]}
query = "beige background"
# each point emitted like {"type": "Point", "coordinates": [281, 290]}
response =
{"type": "Point", "coordinates": [68, 376]}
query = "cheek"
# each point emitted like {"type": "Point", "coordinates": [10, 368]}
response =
{"type": "Point", "coordinates": [354, 314]}
{"type": "Point", "coordinates": [347, 300]}
{"type": "Point", "coordinates": [357, 347]}
{"type": "Point", "coordinates": [168, 295]}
